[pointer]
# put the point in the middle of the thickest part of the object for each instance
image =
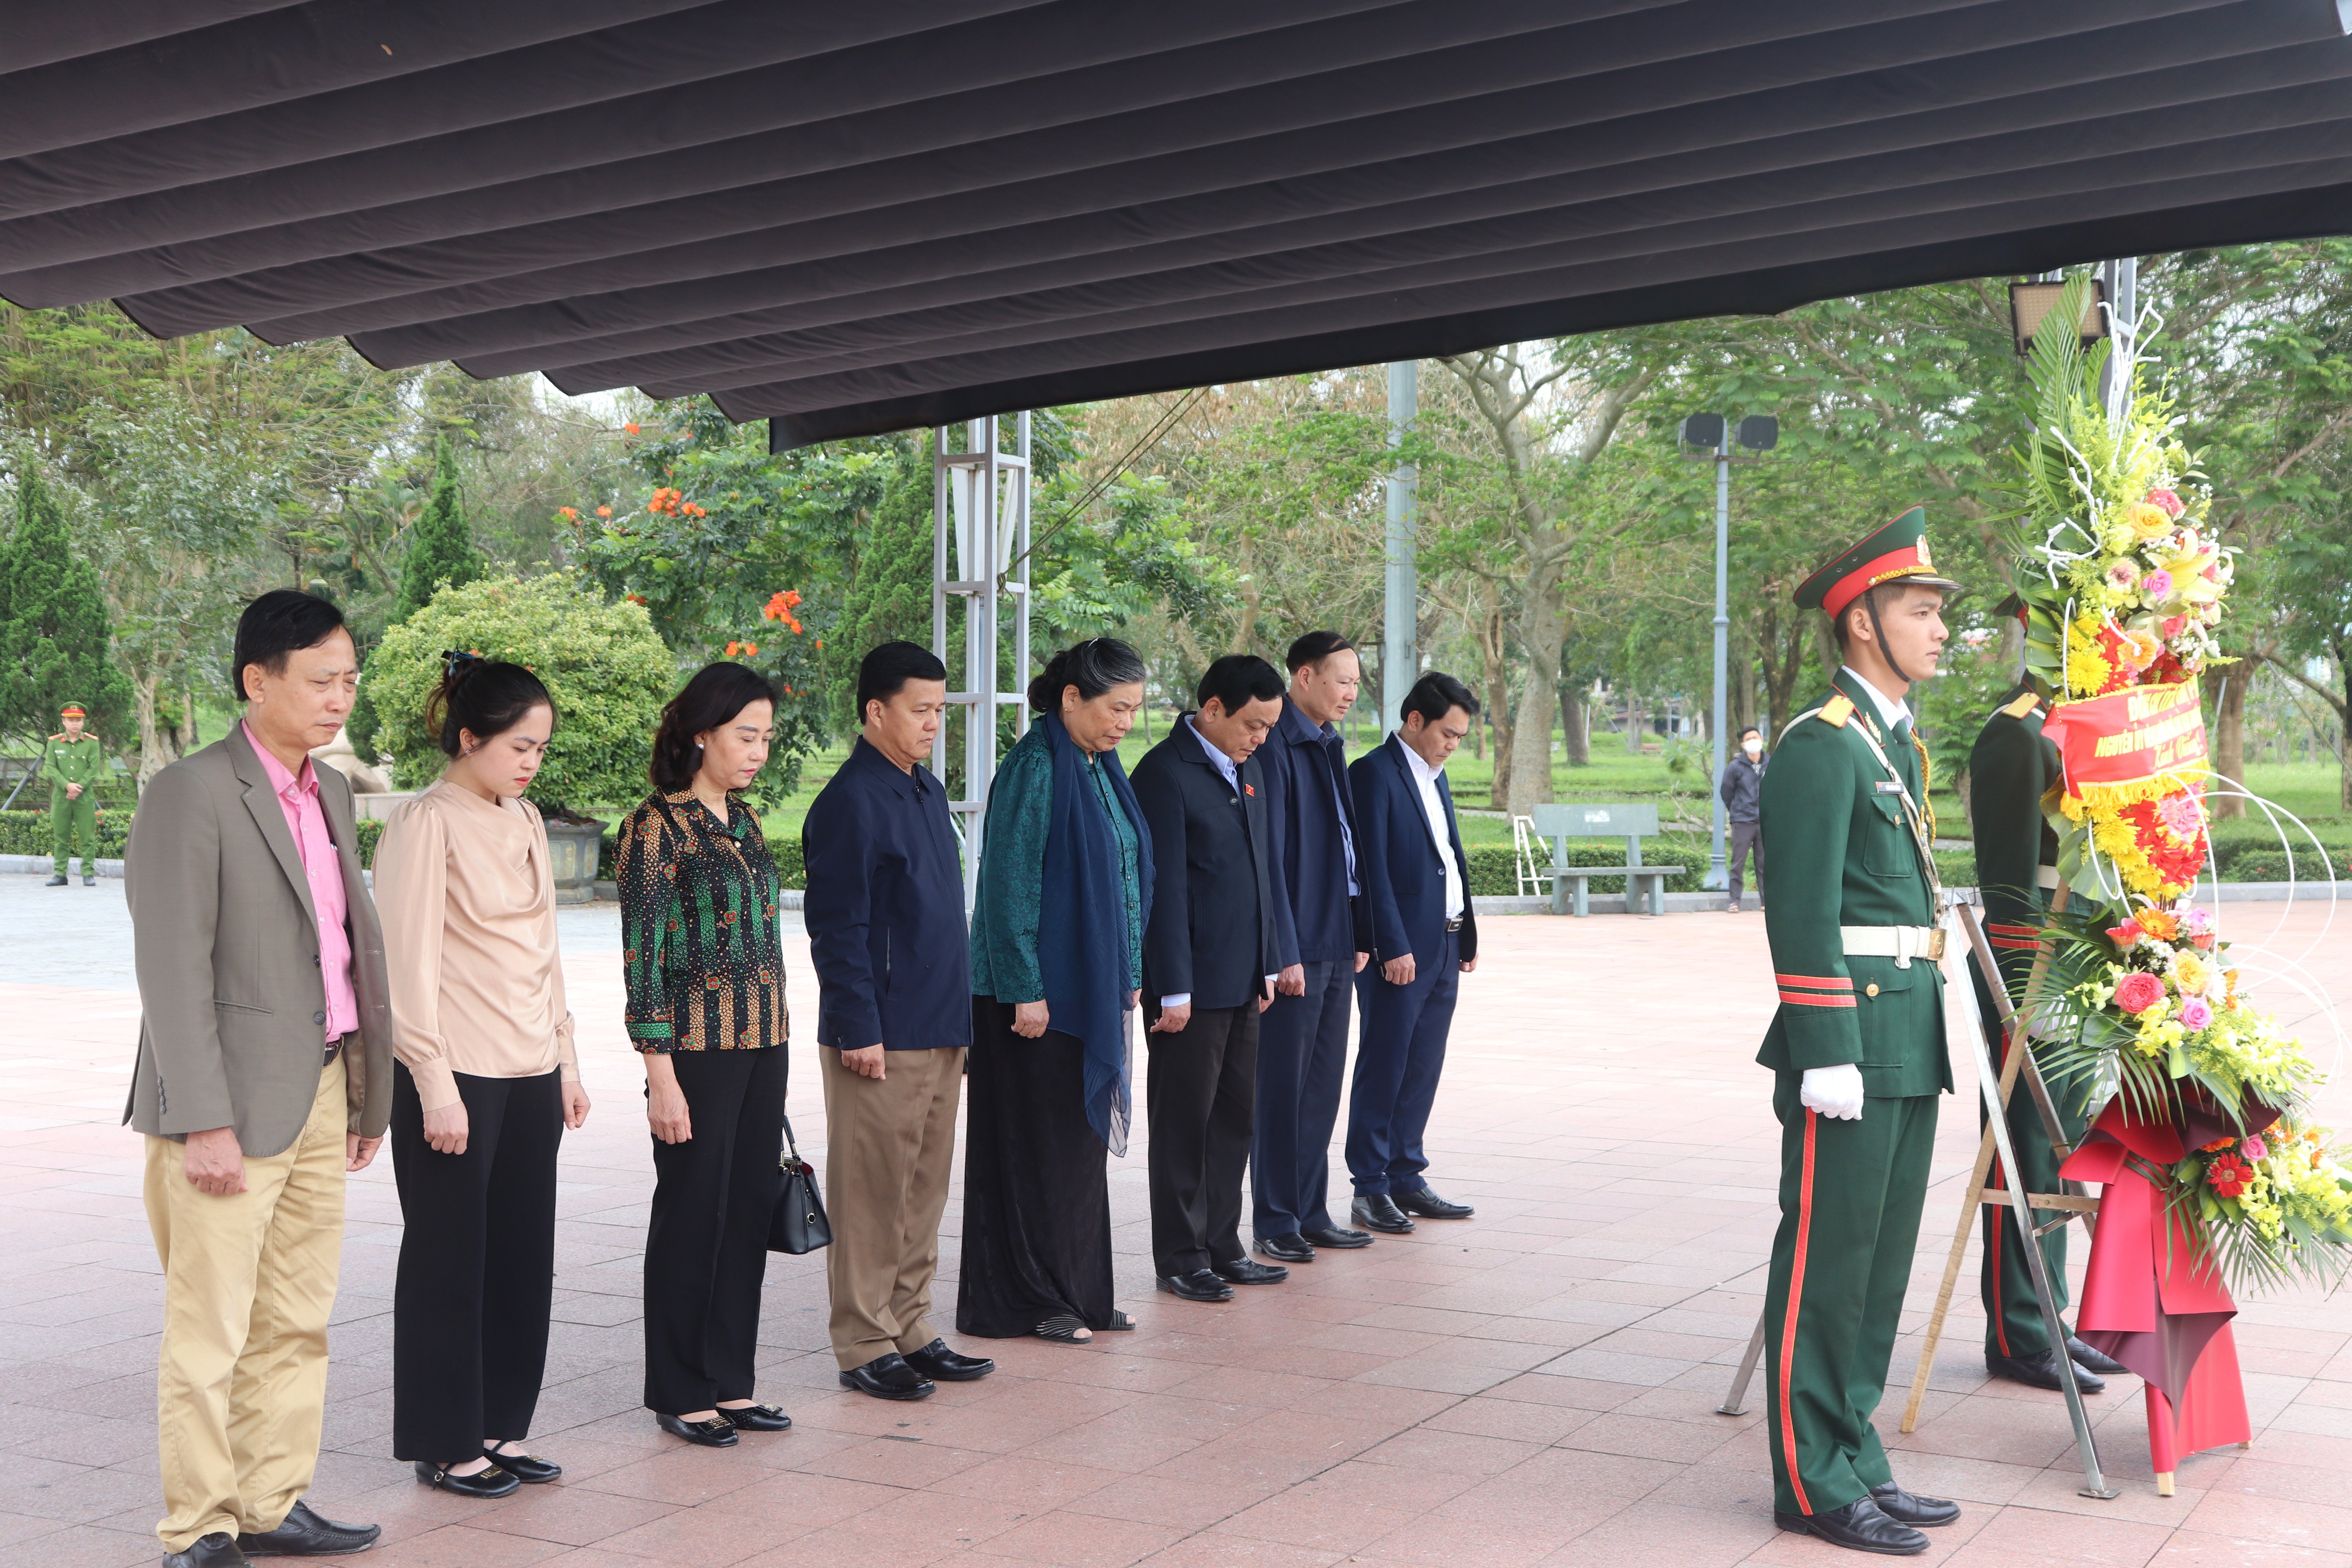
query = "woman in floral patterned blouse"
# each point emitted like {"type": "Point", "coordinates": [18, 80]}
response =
{"type": "Point", "coordinates": [705, 1008]}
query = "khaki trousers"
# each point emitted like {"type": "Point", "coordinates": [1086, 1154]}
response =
{"type": "Point", "coordinates": [248, 1282]}
{"type": "Point", "coordinates": [889, 1151]}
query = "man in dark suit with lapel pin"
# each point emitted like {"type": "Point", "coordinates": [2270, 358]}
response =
{"type": "Point", "coordinates": [1424, 939]}
{"type": "Point", "coordinates": [1217, 939]}
{"type": "Point", "coordinates": [1302, 1043]}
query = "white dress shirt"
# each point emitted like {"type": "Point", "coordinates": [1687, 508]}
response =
{"type": "Point", "coordinates": [1434, 809]}
{"type": "Point", "coordinates": [1890, 710]}
{"type": "Point", "coordinates": [1231, 771]}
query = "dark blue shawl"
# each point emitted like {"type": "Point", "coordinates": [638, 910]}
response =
{"type": "Point", "coordinates": [1082, 951]}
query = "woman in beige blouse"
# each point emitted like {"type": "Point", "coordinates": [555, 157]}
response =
{"type": "Point", "coordinates": [484, 1083]}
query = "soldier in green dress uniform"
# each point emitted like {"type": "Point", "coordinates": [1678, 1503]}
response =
{"type": "Point", "coordinates": [1857, 1047]}
{"type": "Point", "coordinates": [74, 762]}
{"type": "Point", "coordinates": [2011, 768]}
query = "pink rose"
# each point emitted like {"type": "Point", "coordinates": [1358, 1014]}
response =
{"type": "Point", "coordinates": [2156, 586]}
{"type": "Point", "coordinates": [2195, 1014]}
{"type": "Point", "coordinates": [2172, 625]}
{"type": "Point", "coordinates": [2166, 498]}
{"type": "Point", "coordinates": [2256, 1149]}
{"type": "Point", "coordinates": [2140, 991]}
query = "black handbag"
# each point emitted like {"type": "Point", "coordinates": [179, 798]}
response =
{"type": "Point", "coordinates": [798, 1224]}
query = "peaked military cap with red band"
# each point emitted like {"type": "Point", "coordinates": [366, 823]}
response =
{"type": "Point", "coordinates": [2010, 608]}
{"type": "Point", "coordinates": [1896, 553]}
{"type": "Point", "coordinates": [72, 711]}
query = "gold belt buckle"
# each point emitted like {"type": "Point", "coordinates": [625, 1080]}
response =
{"type": "Point", "coordinates": [1935, 945]}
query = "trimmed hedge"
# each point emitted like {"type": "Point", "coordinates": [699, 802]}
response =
{"type": "Point", "coordinates": [27, 833]}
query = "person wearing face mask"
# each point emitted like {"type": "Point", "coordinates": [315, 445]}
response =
{"type": "Point", "coordinates": [1857, 1047]}
{"type": "Point", "coordinates": [1742, 787]}
{"type": "Point", "coordinates": [1219, 940]}
{"type": "Point", "coordinates": [487, 1082]}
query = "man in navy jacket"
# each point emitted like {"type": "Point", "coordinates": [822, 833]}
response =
{"type": "Point", "coordinates": [1216, 941]}
{"type": "Point", "coordinates": [1302, 1041]}
{"type": "Point", "coordinates": [1424, 939]}
{"type": "Point", "coordinates": [885, 917]}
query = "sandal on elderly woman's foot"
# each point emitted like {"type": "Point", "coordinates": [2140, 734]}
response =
{"type": "Point", "coordinates": [1119, 1321]}
{"type": "Point", "coordinates": [1065, 1330]}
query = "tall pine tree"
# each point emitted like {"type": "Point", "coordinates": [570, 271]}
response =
{"type": "Point", "coordinates": [441, 554]}
{"type": "Point", "coordinates": [54, 635]}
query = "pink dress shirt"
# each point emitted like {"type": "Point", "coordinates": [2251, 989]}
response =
{"type": "Point", "coordinates": [324, 868]}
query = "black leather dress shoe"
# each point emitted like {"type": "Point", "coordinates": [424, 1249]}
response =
{"type": "Point", "coordinates": [1291, 1249]}
{"type": "Point", "coordinates": [218, 1549]}
{"type": "Point", "coordinates": [757, 1418]}
{"type": "Point", "coordinates": [716, 1433]}
{"type": "Point", "coordinates": [1243, 1271]}
{"type": "Point", "coordinates": [490, 1483]}
{"type": "Point", "coordinates": [1909, 1507]}
{"type": "Point", "coordinates": [1380, 1214]}
{"type": "Point", "coordinates": [302, 1533]}
{"type": "Point", "coordinates": [888, 1376]}
{"type": "Point", "coordinates": [1859, 1526]}
{"type": "Point", "coordinates": [1337, 1237]}
{"type": "Point", "coordinates": [528, 1468]}
{"type": "Point", "coordinates": [1429, 1205]}
{"type": "Point", "coordinates": [1200, 1284]}
{"type": "Point", "coordinates": [2092, 1359]}
{"type": "Point", "coordinates": [2039, 1370]}
{"type": "Point", "coordinates": [936, 1361]}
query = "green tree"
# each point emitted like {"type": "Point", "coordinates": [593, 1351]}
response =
{"type": "Point", "coordinates": [54, 635]}
{"type": "Point", "coordinates": [889, 598]}
{"type": "Point", "coordinates": [441, 550]}
{"type": "Point", "coordinates": [603, 664]}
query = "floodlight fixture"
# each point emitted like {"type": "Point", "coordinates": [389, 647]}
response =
{"type": "Point", "coordinates": [2030, 303]}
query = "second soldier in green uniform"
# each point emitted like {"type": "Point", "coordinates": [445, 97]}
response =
{"type": "Point", "coordinates": [74, 762]}
{"type": "Point", "coordinates": [2009, 770]}
{"type": "Point", "coordinates": [1857, 1047]}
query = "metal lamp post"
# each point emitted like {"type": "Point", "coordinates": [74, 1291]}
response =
{"type": "Point", "coordinates": [1714, 435]}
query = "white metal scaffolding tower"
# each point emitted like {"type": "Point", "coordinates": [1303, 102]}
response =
{"type": "Point", "coordinates": [980, 510]}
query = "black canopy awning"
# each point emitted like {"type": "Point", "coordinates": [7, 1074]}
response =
{"type": "Point", "coordinates": [852, 217]}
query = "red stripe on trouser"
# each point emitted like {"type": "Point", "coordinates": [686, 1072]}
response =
{"type": "Point", "coordinates": [1789, 1324]}
{"type": "Point", "coordinates": [2000, 1235]}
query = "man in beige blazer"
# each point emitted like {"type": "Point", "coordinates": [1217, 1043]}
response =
{"type": "Point", "coordinates": [264, 1076]}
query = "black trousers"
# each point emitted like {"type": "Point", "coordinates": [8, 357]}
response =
{"type": "Point", "coordinates": [707, 1248]}
{"type": "Point", "coordinates": [1203, 1085]}
{"type": "Point", "coordinates": [477, 1266]}
{"type": "Point", "coordinates": [1302, 1060]}
{"type": "Point", "coordinates": [1745, 838]}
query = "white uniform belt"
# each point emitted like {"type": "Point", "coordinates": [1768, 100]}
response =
{"type": "Point", "coordinates": [2046, 876]}
{"type": "Point", "coordinates": [1901, 943]}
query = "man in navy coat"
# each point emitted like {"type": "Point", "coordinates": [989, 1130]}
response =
{"type": "Point", "coordinates": [1216, 941]}
{"type": "Point", "coordinates": [1417, 896]}
{"type": "Point", "coordinates": [885, 917]}
{"type": "Point", "coordinates": [1302, 1040]}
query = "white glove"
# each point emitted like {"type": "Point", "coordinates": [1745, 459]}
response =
{"type": "Point", "coordinates": [1835, 1092]}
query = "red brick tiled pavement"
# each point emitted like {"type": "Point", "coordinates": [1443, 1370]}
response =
{"type": "Point", "coordinates": [1533, 1386]}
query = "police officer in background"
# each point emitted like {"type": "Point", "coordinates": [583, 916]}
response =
{"type": "Point", "coordinates": [1857, 1047]}
{"type": "Point", "coordinates": [75, 762]}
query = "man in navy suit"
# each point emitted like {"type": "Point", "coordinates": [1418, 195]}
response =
{"type": "Point", "coordinates": [885, 917]}
{"type": "Point", "coordinates": [1417, 897]}
{"type": "Point", "coordinates": [1217, 942]}
{"type": "Point", "coordinates": [1302, 1040]}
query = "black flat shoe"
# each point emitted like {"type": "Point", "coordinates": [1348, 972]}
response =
{"type": "Point", "coordinates": [1918, 1512]}
{"type": "Point", "coordinates": [888, 1377]}
{"type": "Point", "coordinates": [1337, 1238]}
{"type": "Point", "coordinates": [1429, 1205]}
{"type": "Point", "coordinates": [936, 1361]}
{"type": "Point", "coordinates": [1380, 1213]}
{"type": "Point", "coordinates": [756, 1417]}
{"type": "Point", "coordinates": [218, 1549]}
{"type": "Point", "coordinates": [717, 1432]}
{"type": "Point", "coordinates": [59, 881]}
{"type": "Point", "coordinates": [1242, 1271]}
{"type": "Point", "coordinates": [492, 1482]}
{"type": "Point", "coordinates": [1291, 1249]}
{"type": "Point", "coordinates": [2090, 1358]}
{"type": "Point", "coordinates": [1200, 1284]}
{"type": "Point", "coordinates": [530, 1471]}
{"type": "Point", "coordinates": [302, 1533]}
{"type": "Point", "coordinates": [2041, 1371]}
{"type": "Point", "coordinates": [1859, 1526]}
